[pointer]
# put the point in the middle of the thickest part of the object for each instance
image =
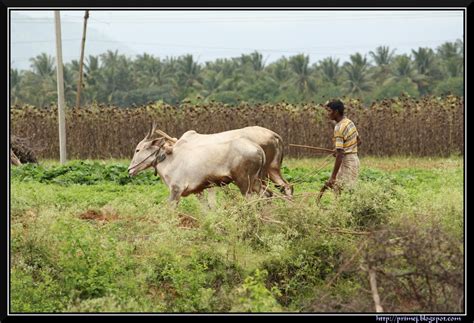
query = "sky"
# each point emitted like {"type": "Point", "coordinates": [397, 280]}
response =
{"type": "Point", "coordinates": [209, 35]}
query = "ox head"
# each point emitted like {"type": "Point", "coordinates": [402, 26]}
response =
{"type": "Point", "coordinates": [148, 150]}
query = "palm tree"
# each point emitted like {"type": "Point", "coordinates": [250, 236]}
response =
{"type": "Point", "coordinates": [424, 60]}
{"type": "Point", "coordinates": [188, 77]}
{"type": "Point", "coordinates": [330, 70]}
{"type": "Point", "coordinates": [280, 70]}
{"type": "Point", "coordinates": [213, 82]}
{"type": "Point", "coordinates": [403, 70]}
{"type": "Point", "coordinates": [115, 75]}
{"type": "Point", "coordinates": [357, 75]}
{"type": "Point", "coordinates": [402, 67]}
{"type": "Point", "coordinates": [92, 79]}
{"type": "Point", "coordinates": [40, 84]}
{"type": "Point", "coordinates": [37, 90]}
{"type": "Point", "coordinates": [15, 80]}
{"type": "Point", "coordinates": [109, 64]}
{"type": "Point", "coordinates": [43, 65]}
{"type": "Point", "coordinates": [426, 64]}
{"type": "Point", "coordinates": [188, 71]}
{"type": "Point", "coordinates": [256, 60]}
{"type": "Point", "coordinates": [382, 57]}
{"type": "Point", "coordinates": [451, 55]}
{"type": "Point", "coordinates": [304, 82]}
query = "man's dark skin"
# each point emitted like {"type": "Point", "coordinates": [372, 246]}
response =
{"type": "Point", "coordinates": [336, 116]}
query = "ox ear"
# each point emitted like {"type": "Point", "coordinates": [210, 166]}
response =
{"type": "Point", "coordinates": [168, 148]}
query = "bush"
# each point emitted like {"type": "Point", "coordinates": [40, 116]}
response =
{"type": "Point", "coordinates": [36, 290]}
{"type": "Point", "coordinates": [253, 296]}
{"type": "Point", "coordinates": [89, 264]}
{"type": "Point", "coordinates": [308, 264]}
{"type": "Point", "coordinates": [193, 284]}
{"type": "Point", "coordinates": [110, 304]}
{"type": "Point", "coordinates": [370, 203]}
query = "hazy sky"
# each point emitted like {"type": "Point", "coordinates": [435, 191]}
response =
{"type": "Point", "coordinates": [217, 34]}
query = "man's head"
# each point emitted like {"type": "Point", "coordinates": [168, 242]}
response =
{"type": "Point", "coordinates": [335, 109]}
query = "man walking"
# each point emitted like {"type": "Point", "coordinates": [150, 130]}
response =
{"type": "Point", "coordinates": [346, 141]}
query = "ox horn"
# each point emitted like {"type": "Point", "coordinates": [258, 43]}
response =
{"type": "Point", "coordinates": [150, 133]}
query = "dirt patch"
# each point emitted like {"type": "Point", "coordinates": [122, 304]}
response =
{"type": "Point", "coordinates": [98, 216]}
{"type": "Point", "coordinates": [187, 221]}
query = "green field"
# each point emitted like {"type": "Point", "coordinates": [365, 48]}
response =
{"type": "Point", "coordinates": [87, 238]}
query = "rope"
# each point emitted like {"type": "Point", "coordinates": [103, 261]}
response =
{"type": "Point", "coordinates": [314, 148]}
{"type": "Point", "coordinates": [325, 163]}
{"type": "Point", "coordinates": [155, 152]}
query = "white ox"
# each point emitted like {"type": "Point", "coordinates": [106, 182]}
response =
{"type": "Point", "coordinates": [269, 141]}
{"type": "Point", "coordinates": [189, 166]}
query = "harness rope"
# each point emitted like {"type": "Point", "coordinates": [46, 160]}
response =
{"type": "Point", "coordinates": [155, 161]}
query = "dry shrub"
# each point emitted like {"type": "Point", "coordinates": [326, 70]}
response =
{"type": "Point", "coordinates": [187, 222]}
{"type": "Point", "coordinates": [418, 269]}
{"type": "Point", "coordinates": [423, 127]}
{"type": "Point", "coordinates": [23, 150]}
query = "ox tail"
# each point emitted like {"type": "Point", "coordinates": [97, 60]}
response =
{"type": "Point", "coordinates": [261, 174]}
{"type": "Point", "coordinates": [262, 170]}
{"type": "Point", "coordinates": [280, 148]}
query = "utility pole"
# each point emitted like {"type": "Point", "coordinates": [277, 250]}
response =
{"type": "Point", "coordinates": [60, 81]}
{"type": "Point", "coordinates": [81, 62]}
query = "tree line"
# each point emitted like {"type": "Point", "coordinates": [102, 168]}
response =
{"type": "Point", "coordinates": [112, 78]}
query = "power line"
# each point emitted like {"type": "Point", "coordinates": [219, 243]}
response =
{"type": "Point", "coordinates": [266, 49]}
{"type": "Point", "coordinates": [324, 49]}
{"type": "Point", "coordinates": [40, 41]}
{"type": "Point", "coordinates": [207, 20]}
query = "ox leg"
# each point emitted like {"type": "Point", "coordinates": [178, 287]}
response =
{"type": "Point", "coordinates": [282, 184]}
{"type": "Point", "coordinates": [244, 185]}
{"type": "Point", "coordinates": [211, 198]}
{"type": "Point", "coordinates": [263, 187]}
{"type": "Point", "coordinates": [208, 199]}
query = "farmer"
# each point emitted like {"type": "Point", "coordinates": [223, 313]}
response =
{"type": "Point", "coordinates": [346, 140]}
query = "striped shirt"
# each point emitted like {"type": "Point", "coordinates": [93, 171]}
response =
{"type": "Point", "coordinates": [345, 136]}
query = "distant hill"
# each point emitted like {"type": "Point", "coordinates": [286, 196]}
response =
{"type": "Point", "coordinates": [32, 36]}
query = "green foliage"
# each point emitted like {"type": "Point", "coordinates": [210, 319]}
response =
{"type": "Point", "coordinates": [36, 291]}
{"type": "Point", "coordinates": [195, 283]}
{"type": "Point", "coordinates": [450, 86]}
{"type": "Point", "coordinates": [89, 263]}
{"type": "Point", "coordinates": [300, 175]}
{"type": "Point", "coordinates": [111, 304]}
{"type": "Point", "coordinates": [253, 296]}
{"type": "Point", "coordinates": [242, 255]}
{"type": "Point", "coordinates": [81, 172]}
{"type": "Point", "coordinates": [396, 89]}
{"type": "Point", "coordinates": [112, 78]}
{"type": "Point", "coordinates": [370, 203]}
{"type": "Point", "coordinates": [307, 263]}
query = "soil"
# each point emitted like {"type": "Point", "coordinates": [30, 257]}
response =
{"type": "Point", "coordinates": [98, 216]}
